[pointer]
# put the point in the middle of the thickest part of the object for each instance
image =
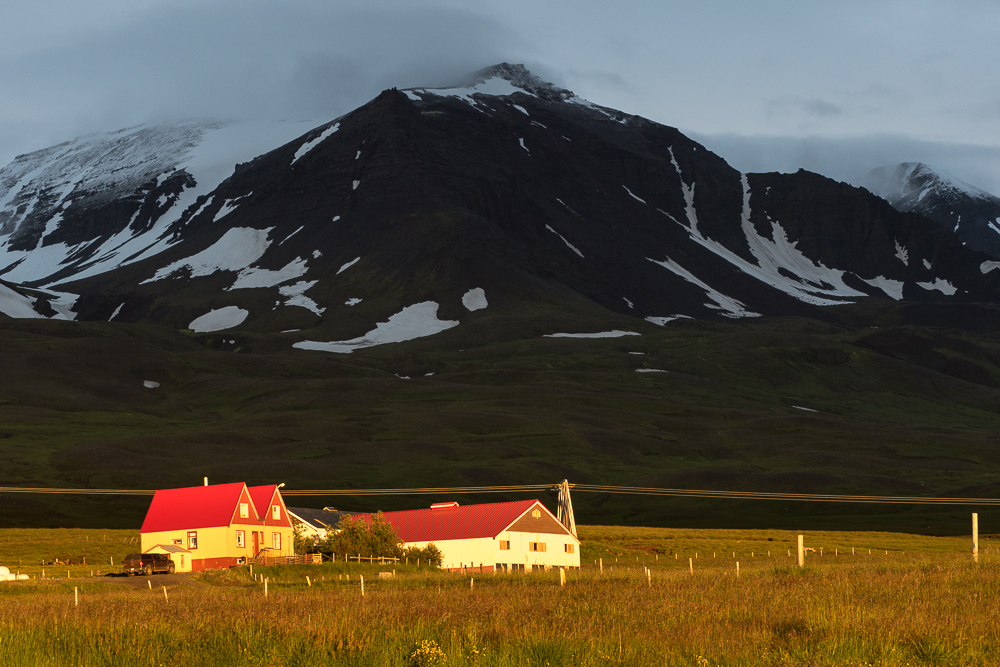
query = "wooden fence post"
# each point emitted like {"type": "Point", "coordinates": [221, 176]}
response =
{"type": "Point", "coordinates": [691, 565]}
{"type": "Point", "coordinates": [975, 537]}
{"type": "Point", "coordinates": [76, 596]}
{"type": "Point", "coordinates": [362, 585]}
{"type": "Point", "coordinates": [165, 598]}
{"type": "Point", "coordinates": [802, 553]}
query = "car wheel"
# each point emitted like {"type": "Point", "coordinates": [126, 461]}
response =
{"type": "Point", "coordinates": [148, 570]}
{"type": "Point", "coordinates": [170, 569]}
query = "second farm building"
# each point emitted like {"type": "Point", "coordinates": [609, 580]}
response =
{"type": "Point", "coordinates": [503, 537]}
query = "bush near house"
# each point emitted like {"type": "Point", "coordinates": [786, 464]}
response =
{"type": "Point", "coordinates": [355, 536]}
{"type": "Point", "coordinates": [430, 555]}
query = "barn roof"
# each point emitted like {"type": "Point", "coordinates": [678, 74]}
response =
{"type": "Point", "coordinates": [192, 507]}
{"type": "Point", "coordinates": [450, 521]}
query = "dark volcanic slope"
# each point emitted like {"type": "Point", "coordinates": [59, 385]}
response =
{"type": "Point", "coordinates": [535, 197]}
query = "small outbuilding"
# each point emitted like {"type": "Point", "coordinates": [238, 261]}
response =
{"type": "Point", "coordinates": [180, 556]}
{"type": "Point", "coordinates": [515, 536]}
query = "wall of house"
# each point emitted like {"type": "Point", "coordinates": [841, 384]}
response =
{"type": "Point", "coordinates": [218, 547]}
{"type": "Point", "coordinates": [483, 554]}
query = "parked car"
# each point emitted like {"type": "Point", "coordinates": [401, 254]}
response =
{"type": "Point", "coordinates": [147, 564]}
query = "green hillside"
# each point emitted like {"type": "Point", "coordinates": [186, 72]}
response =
{"type": "Point", "coordinates": [895, 410]}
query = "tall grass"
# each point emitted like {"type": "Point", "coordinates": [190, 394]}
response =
{"type": "Point", "coordinates": [900, 609]}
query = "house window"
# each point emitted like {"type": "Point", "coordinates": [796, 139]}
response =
{"type": "Point", "coordinates": [535, 514]}
{"type": "Point", "coordinates": [241, 539]}
{"type": "Point", "coordinates": [276, 540]}
{"type": "Point", "coordinates": [276, 512]}
{"type": "Point", "coordinates": [504, 545]}
{"type": "Point", "coordinates": [177, 541]}
{"type": "Point", "coordinates": [536, 546]}
{"type": "Point", "coordinates": [570, 548]}
{"type": "Point", "coordinates": [192, 539]}
{"type": "Point", "coordinates": [244, 510]}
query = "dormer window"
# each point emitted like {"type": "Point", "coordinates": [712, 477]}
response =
{"type": "Point", "coordinates": [276, 512]}
{"type": "Point", "coordinates": [244, 510]}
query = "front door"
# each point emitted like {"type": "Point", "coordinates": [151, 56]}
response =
{"type": "Point", "coordinates": [254, 533]}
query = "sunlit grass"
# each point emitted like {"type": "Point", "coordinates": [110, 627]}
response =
{"type": "Point", "coordinates": [922, 603]}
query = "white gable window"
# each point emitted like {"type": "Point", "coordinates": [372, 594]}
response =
{"type": "Point", "coordinates": [276, 512]}
{"type": "Point", "coordinates": [244, 510]}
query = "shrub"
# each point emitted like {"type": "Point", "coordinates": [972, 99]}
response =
{"type": "Point", "coordinates": [355, 535]}
{"type": "Point", "coordinates": [429, 554]}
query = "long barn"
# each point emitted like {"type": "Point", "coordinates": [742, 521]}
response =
{"type": "Point", "coordinates": [520, 535]}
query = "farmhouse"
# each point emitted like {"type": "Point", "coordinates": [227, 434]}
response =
{"type": "Point", "coordinates": [312, 524]}
{"type": "Point", "coordinates": [217, 526]}
{"type": "Point", "coordinates": [519, 535]}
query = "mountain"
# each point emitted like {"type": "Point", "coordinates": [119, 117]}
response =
{"type": "Point", "coordinates": [382, 224]}
{"type": "Point", "coordinates": [969, 212]}
{"type": "Point", "coordinates": [587, 294]}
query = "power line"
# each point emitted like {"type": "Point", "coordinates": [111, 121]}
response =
{"type": "Point", "coordinates": [587, 488]}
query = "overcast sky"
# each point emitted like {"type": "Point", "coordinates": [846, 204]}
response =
{"type": "Point", "coordinates": [836, 87]}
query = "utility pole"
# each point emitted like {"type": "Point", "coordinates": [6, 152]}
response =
{"type": "Point", "coordinates": [565, 510]}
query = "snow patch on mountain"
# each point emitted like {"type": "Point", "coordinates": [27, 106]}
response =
{"type": "Point", "coordinates": [219, 319]}
{"type": "Point", "coordinates": [615, 333]}
{"type": "Point", "coordinates": [814, 283]}
{"type": "Point", "coordinates": [660, 321]}
{"type": "Point", "coordinates": [631, 194]}
{"type": "Point", "coordinates": [730, 307]}
{"type": "Point", "coordinates": [236, 250]}
{"type": "Point", "coordinates": [416, 321]}
{"type": "Point", "coordinates": [348, 265]}
{"type": "Point", "coordinates": [902, 253]}
{"type": "Point", "coordinates": [941, 285]}
{"type": "Point", "coordinates": [474, 299]}
{"type": "Point", "coordinates": [568, 244]}
{"type": "Point", "coordinates": [13, 304]}
{"type": "Point", "coordinates": [309, 145]}
{"type": "Point", "coordinates": [893, 288]}
{"type": "Point", "coordinates": [295, 294]}
{"type": "Point", "coordinates": [254, 277]}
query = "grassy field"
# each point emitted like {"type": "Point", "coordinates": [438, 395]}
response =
{"type": "Point", "coordinates": [914, 600]}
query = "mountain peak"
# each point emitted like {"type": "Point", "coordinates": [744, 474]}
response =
{"type": "Point", "coordinates": [908, 183]}
{"type": "Point", "coordinates": [501, 80]}
{"type": "Point", "coordinates": [521, 77]}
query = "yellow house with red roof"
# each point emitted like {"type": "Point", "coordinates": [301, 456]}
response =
{"type": "Point", "coordinates": [221, 525]}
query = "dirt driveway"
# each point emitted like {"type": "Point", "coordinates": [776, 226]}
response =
{"type": "Point", "coordinates": [179, 579]}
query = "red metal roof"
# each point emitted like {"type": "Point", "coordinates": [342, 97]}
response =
{"type": "Point", "coordinates": [456, 523]}
{"type": "Point", "coordinates": [262, 496]}
{"type": "Point", "coordinates": [192, 507]}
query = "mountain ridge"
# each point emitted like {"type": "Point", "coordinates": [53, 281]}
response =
{"type": "Point", "coordinates": [509, 185]}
